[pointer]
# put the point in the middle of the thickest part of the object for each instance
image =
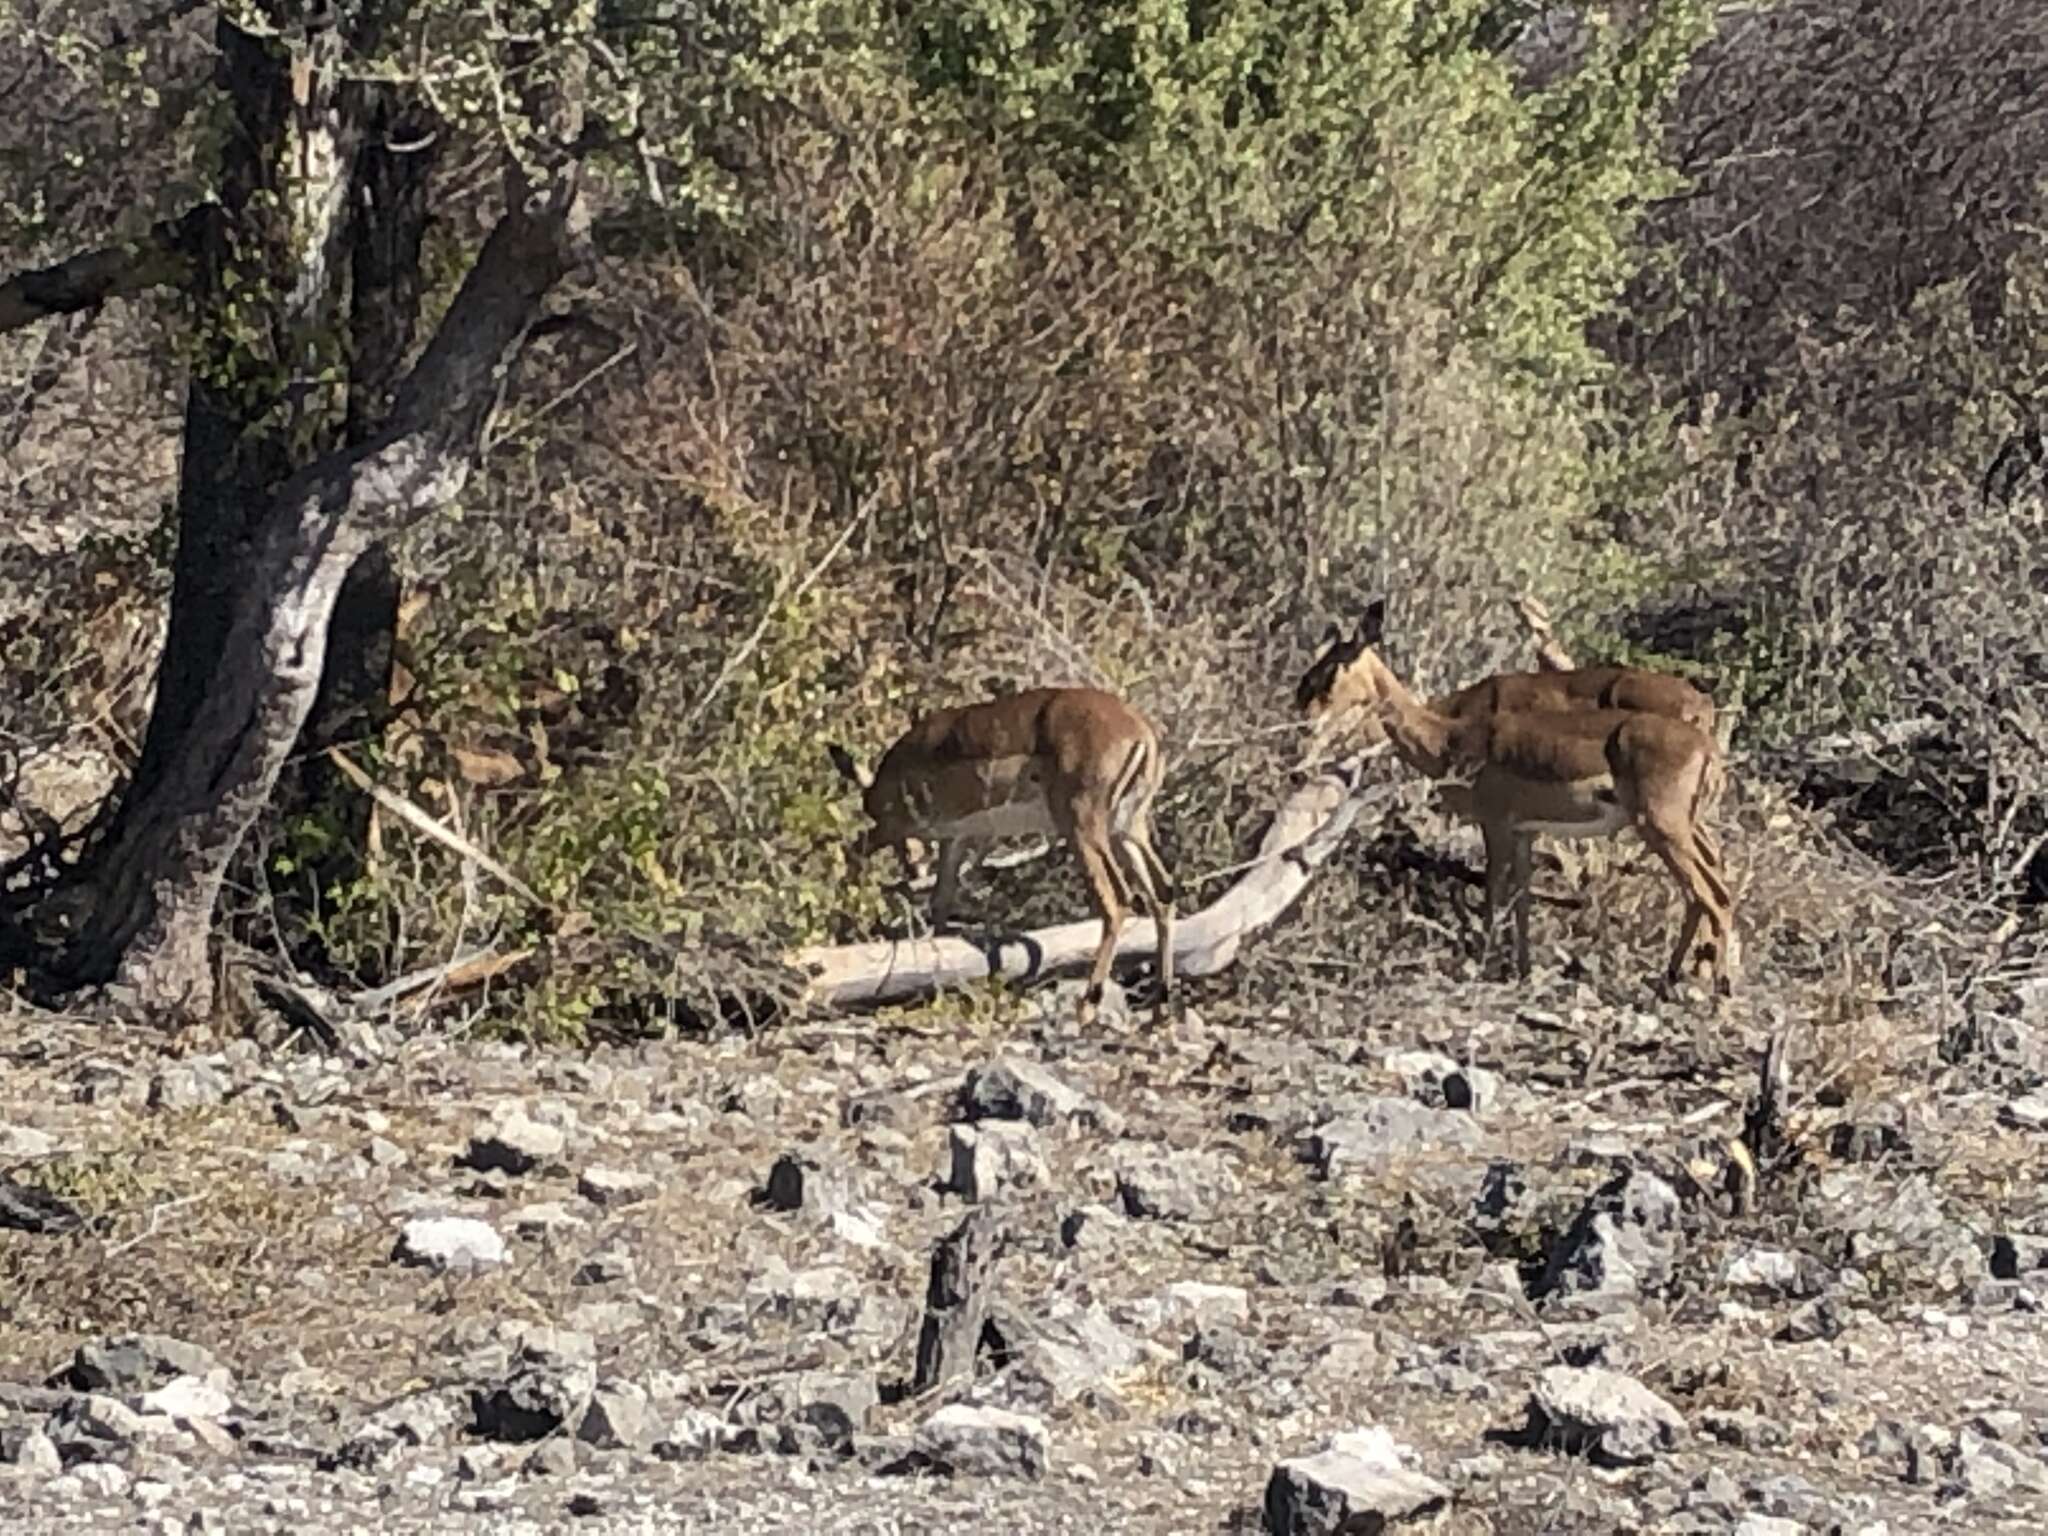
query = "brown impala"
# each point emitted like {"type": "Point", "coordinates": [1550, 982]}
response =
{"type": "Point", "coordinates": [1075, 763]}
{"type": "Point", "coordinates": [1579, 754]}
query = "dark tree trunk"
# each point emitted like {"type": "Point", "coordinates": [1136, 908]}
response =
{"type": "Point", "coordinates": [266, 546]}
{"type": "Point", "coordinates": [388, 201]}
{"type": "Point", "coordinates": [246, 416]}
{"type": "Point", "coordinates": [399, 146]}
{"type": "Point", "coordinates": [142, 914]}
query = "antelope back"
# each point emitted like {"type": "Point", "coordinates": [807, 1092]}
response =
{"type": "Point", "coordinates": [1606, 687]}
{"type": "Point", "coordinates": [1009, 766]}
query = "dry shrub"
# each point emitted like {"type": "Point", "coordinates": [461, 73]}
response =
{"type": "Point", "coordinates": [1851, 321]}
{"type": "Point", "coordinates": [939, 416]}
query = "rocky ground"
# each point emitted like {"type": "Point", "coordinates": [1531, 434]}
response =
{"type": "Point", "coordinates": [1453, 1261]}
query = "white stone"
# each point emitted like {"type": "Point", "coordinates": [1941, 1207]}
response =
{"type": "Point", "coordinates": [450, 1242]}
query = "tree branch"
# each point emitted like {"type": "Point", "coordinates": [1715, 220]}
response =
{"type": "Point", "coordinates": [532, 247]}
{"type": "Point", "coordinates": [161, 258]}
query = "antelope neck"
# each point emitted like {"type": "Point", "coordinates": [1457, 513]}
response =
{"type": "Point", "coordinates": [1421, 736]}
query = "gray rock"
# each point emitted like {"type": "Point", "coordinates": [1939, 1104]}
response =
{"type": "Point", "coordinates": [1766, 1525]}
{"type": "Point", "coordinates": [1205, 1305]}
{"type": "Point", "coordinates": [511, 1142]}
{"type": "Point", "coordinates": [1743, 1429]}
{"type": "Point", "coordinates": [1988, 1468]}
{"type": "Point", "coordinates": [1358, 1483]}
{"type": "Point", "coordinates": [824, 1295]}
{"type": "Point", "coordinates": [185, 1397]}
{"type": "Point", "coordinates": [1623, 1244]}
{"type": "Point", "coordinates": [1924, 1449]}
{"type": "Point", "coordinates": [1777, 1271]}
{"type": "Point", "coordinates": [419, 1419]}
{"type": "Point", "coordinates": [608, 1266]}
{"type": "Point", "coordinates": [982, 1442]}
{"type": "Point", "coordinates": [553, 1457]}
{"type": "Point", "coordinates": [2028, 1112]}
{"type": "Point", "coordinates": [543, 1219]}
{"type": "Point", "coordinates": [1057, 1003]}
{"type": "Point", "coordinates": [2002, 1424]}
{"type": "Point", "coordinates": [101, 1479]}
{"type": "Point", "coordinates": [994, 1156]}
{"type": "Point", "coordinates": [457, 1243]}
{"type": "Point", "coordinates": [1013, 1088]}
{"type": "Point", "coordinates": [798, 1182]}
{"type": "Point", "coordinates": [1904, 1223]}
{"type": "Point", "coordinates": [1443, 1083]}
{"type": "Point", "coordinates": [2016, 1254]}
{"type": "Point", "coordinates": [1383, 1128]}
{"type": "Point", "coordinates": [608, 1319]}
{"type": "Point", "coordinates": [1229, 1352]}
{"type": "Point", "coordinates": [692, 1435]}
{"type": "Point", "coordinates": [1612, 1418]}
{"type": "Point", "coordinates": [545, 1391]}
{"type": "Point", "coordinates": [21, 1141]}
{"type": "Point", "coordinates": [613, 1187]}
{"type": "Point", "coordinates": [136, 1362]}
{"type": "Point", "coordinates": [33, 1453]}
{"type": "Point", "coordinates": [1788, 1496]}
{"type": "Point", "coordinates": [1066, 1349]}
{"type": "Point", "coordinates": [1818, 1319]}
{"type": "Point", "coordinates": [862, 1229]}
{"type": "Point", "coordinates": [1716, 1491]}
{"type": "Point", "coordinates": [618, 1418]}
{"type": "Point", "coordinates": [90, 1423]}
{"type": "Point", "coordinates": [540, 1345]}
{"type": "Point", "coordinates": [195, 1084]}
{"type": "Point", "coordinates": [209, 1435]}
{"type": "Point", "coordinates": [1092, 1228]}
{"type": "Point", "coordinates": [1351, 1356]}
{"type": "Point", "coordinates": [834, 1406]}
{"type": "Point", "coordinates": [1159, 1455]}
{"type": "Point", "coordinates": [1168, 1185]}
{"type": "Point", "coordinates": [1446, 1378]}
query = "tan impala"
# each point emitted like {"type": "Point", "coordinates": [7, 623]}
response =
{"type": "Point", "coordinates": [1076, 763]}
{"type": "Point", "coordinates": [1338, 683]}
{"type": "Point", "coordinates": [1575, 772]}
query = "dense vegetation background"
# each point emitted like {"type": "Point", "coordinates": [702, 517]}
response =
{"type": "Point", "coordinates": [913, 351]}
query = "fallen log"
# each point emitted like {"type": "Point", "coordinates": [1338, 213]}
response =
{"type": "Point", "coordinates": [1304, 832]}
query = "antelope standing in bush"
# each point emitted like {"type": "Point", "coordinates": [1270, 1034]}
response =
{"type": "Point", "coordinates": [1541, 765]}
{"type": "Point", "coordinates": [1076, 763]}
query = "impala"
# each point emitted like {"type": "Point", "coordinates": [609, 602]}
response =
{"type": "Point", "coordinates": [1340, 681]}
{"type": "Point", "coordinates": [1076, 763]}
{"type": "Point", "coordinates": [1339, 684]}
{"type": "Point", "coordinates": [1582, 772]}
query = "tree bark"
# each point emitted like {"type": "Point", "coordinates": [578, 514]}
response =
{"type": "Point", "coordinates": [163, 257]}
{"type": "Point", "coordinates": [266, 546]}
{"type": "Point", "coordinates": [142, 914]}
{"type": "Point", "coordinates": [394, 166]}
{"type": "Point", "coordinates": [248, 415]}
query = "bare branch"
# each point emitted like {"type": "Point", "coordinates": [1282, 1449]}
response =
{"type": "Point", "coordinates": [161, 258]}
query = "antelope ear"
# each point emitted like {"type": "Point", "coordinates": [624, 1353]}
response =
{"type": "Point", "coordinates": [1333, 632]}
{"type": "Point", "coordinates": [1373, 622]}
